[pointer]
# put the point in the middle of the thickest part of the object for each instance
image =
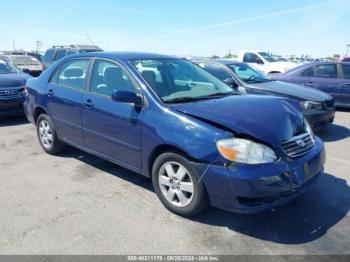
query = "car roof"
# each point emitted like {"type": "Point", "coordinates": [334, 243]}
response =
{"type": "Point", "coordinates": [126, 55]}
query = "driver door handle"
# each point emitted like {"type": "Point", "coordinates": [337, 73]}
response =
{"type": "Point", "coordinates": [88, 104]}
{"type": "Point", "coordinates": [50, 93]}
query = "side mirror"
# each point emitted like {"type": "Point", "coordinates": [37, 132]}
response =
{"type": "Point", "coordinates": [231, 82]}
{"type": "Point", "coordinates": [127, 97]}
{"type": "Point", "coordinates": [26, 70]}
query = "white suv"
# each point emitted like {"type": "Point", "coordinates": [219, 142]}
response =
{"type": "Point", "coordinates": [265, 62]}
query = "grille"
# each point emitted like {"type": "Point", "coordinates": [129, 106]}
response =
{"type": "Point", "coordinates": [298, 145]}
{"type": "Point", "coordinates": [329, 103]}
{"type": "Point", "coordinates": [11, 93]}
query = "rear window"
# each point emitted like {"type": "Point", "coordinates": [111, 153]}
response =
{"type": "Point", "coordinates": [346, 71]}
{"type": "Point", "coordinates": [25, 60]}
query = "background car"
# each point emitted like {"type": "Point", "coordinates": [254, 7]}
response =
{"type": "Point", "coordinates": [26, 63]}
{"type": "Point", "coordinates": [57, 52]}
{"type": "Point", "coordinates": [12, 82]}
{"type": "Point", "coordinates": [330, 77]}
{"type": "Point", "coordinates": [346, 59]}
{"type": "Point", "coordinates": [264, 61]}
{"type": "Point", "coordinates": [318, 107]}
{"type": "Point", "coordinates": [170, 120]}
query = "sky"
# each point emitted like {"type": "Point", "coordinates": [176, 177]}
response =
{"type": "Point", "coordinates": [319, 28]}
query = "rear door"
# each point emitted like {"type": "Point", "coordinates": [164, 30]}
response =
{"type": "Point", "coordinates": [64, 98]}
{"type": "Point", "coordinates": [112, 128]}
{"type": "Point", "coordinates": [344, 96]}
{"type": "Point", "coordinates": [326, 79]}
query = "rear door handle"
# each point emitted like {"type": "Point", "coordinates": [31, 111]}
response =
{"type": "Point", "coordinates": [88, 104]}
{"type": "Point", "coordinates": [347, 84]}
{"type": "Point", "coordinates": [50, 93]}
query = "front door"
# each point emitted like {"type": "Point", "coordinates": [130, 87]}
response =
{"type": "Point", "coordinates": [64, 99]}
{"type": "Point", "coordinates": [111, 128]}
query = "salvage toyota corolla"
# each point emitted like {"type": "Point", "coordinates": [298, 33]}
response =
{"type": "Point", "coordinates": [198, 140]}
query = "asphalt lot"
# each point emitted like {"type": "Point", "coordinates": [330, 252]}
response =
{"type": "Point", "coordinates": [76, 203]}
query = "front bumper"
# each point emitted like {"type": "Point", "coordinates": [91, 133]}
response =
{"type": "Point", "coordinates": [11, 107]}
{"type": "Point", "coordinates": [319, 119]}
{"type": "Point", "coordinates": [253, 188]}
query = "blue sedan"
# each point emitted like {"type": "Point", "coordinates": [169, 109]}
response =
{"type": "Point", "coordinates": [12, 84]}
{"type": "Point", "coordinates": [198, 140]}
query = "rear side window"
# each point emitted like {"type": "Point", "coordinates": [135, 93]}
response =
{"type": "Point", "coordinates": [216, 71]}
{"type": "Point", "coordinates": [250, 58]}
{"type": "Point", "coordinates": [60, 54]}
{"type": "Point", "coordinates": [346, 71]}
{"type": "Point", "coordinates": [49, 55]}
{"type": "Point", "coordinates": [326, 71]}
{"type": "Point", "coordinates": [72, 74]}
{"type": "Point", "coordinates": [346, 60]}
{"type": "Point", "coordinates": [308, 72]}
{"type": "Point", "coordinates": [107, 77]}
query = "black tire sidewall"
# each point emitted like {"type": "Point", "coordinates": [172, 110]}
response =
{"type": "Point", "coordinates": [199, 201]}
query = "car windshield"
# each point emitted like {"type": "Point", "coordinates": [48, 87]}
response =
{"type": "Point", "coordinates": [25, 60]}
{"type": "Point", "coordinates": [6, 68]}
{"type": "Point", "coordinates": [177, 80]}
{"type": "Point", "coordinates": [268, 57]}
{"type": "Point", "coordinates": [249, 74]}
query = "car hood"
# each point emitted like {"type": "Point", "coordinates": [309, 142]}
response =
{"type": "Point", "coordinates": [292, 90]}
{"type": "Point", "coordinates": [13, 80]}
{"type": "Point", "coordinates": [272, 120]}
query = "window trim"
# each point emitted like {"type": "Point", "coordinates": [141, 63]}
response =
{"type": "Point", "coordinates": [59, 68]}
{"type": "Point", "coordinates": [138, 90]}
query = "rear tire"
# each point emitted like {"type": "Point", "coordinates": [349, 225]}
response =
{"type": "Point", "coordinates": [47, 135]}
{"type": "Point", "coordinates": [177, 185]}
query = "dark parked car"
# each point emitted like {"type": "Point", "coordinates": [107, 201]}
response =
{"type": "Point", "coordinates": [330, 77]}
{"type": "Point", "coordinates": [318, 107]}
{"type": "Point", "coordinates": [169, 119]}
{"type": "Point", "coordinates": [57, 52]}
{"type": "Point", "coordinates": [26, 63]}
{"type": "Point", "coordinates": [12, 82]}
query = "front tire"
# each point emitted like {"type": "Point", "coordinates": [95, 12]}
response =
{"type": "Point", "coordinates": [177, 185]}
{"type": "Point", "coordinates": [47, 135]}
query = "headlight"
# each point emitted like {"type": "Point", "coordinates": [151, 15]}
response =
{"type": "Point", "coordinates": [245, 151]}
{"type": "Point", "coordinates": [308, 128]}
{"type": "Point", "coordinates": [311, 105]}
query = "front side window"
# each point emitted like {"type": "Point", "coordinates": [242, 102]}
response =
{"type": "Point", "coordinates": [326, 71]}
{"type": "Point", "coordinates": [250, 58]}
{"type": "Point", "coordinates": [217, 71]}
{"type": "Point", "coordinates": [346, 71]}
{"type": "Point", "coordinates": [72, 74]}
{"type": "Point", "coordinates": [176, 80]}
{"type": "Point", "coordinates": [308, 72]}
{"type": "Point", "coordinates": [346, 59]}
{"type": "Point", "coordinates": [6, 68]}
{"type": "Point", "coordinates": [248, 74]}
{"type": "Point", "coordinates": [108, 77]}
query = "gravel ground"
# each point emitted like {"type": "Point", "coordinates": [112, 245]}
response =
{"type": "Point", "coordinates": [76, 203]}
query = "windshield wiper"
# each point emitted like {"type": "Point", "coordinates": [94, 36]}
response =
{"type": "Point", "coordinates": [219, 94]}
{"type": "Point", "coordinates": [181, 99]}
